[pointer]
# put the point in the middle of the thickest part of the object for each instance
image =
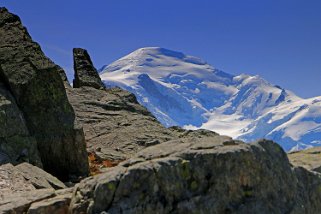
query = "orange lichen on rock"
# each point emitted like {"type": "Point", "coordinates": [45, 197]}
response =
{"type": "Point", "coordinates": [96, 164]}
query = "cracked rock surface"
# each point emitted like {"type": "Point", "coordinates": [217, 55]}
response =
{"type": "Point", "coordinates": [25, 184]}
{"type": "Point", "coordinates": [25, 177]}
{"type": "Point", "coordinates": [40, 201]}
{"type": "Point", "coordinates": [116, 126]}
{"type": "Point", "coordinates": [202, 175]}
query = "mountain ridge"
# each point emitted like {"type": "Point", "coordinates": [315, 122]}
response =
{"type": "Point", "coordinates": [186, 91]}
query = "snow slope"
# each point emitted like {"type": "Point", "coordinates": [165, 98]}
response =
{"type": "Point", "coordinates": [186, 91]}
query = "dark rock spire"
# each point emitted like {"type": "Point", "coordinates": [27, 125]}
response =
{"type": "Point", "coordinates": [85, 72]}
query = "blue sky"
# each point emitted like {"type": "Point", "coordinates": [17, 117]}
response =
{"type": "Point", "coordinates": [279, 40]}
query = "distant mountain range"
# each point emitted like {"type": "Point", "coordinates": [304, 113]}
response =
{"type": "Point", "coordinates": [182, 90]}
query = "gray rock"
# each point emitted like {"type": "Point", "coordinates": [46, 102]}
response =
{"type": "Point", "coordinates": [19, 202]}
{"type": "Point", "coordinates": [85, 72]}
{"type": "Point", "coordinates": [25, 177]}
{"type": "Point", "coordinates": [12, 181]}
{"type": "Point", "coordinates": [116, 126]}
{"type": "Point", "coordinates": [202, 175]}
{"type": "Point", "coordinates": [16, 143]}
{"type": "Point", "coordinates": [37, 86]}
{"type": "Point", "coordinates": [39, 178]}
{"type": "Point", "coordinates": [55, 205]}
{"type": "Point", "coordinates": [25, 187]}
{"type": "Point", "coordinates": [43, 201]}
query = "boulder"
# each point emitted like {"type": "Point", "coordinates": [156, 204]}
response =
{"type": "Point", "coordinates": [39, 178]}
{"type": "Point", "coordinates": [42, 201]}
{"type": "Point", "coordinates": [55, 205]}
{"type": "Point", "coordinates": [25, 184]}
{"type": "Point", "coordinates": [16, 143]}
{"type": "Point", "coordinates": [25, 177]}
{"type": "Point", "coordinates": [12, 181]}
{"type": "Point", "coordinates": [37, 86]}
{"type": "Point", "coordinates": [202, 175]}
{"type": "Point", "coordinates": [85, 72]}
{"type": "Point", "coordinates": [19, 202]}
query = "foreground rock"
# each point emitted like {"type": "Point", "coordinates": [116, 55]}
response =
{"type": "Point", "coordinates": [42, 201]}
{"type": "Point", "coordinates": [202, 175]}
{"type": "Point", "coordinates": [16, 143]}
{"type": "Point", "coordinates": [59, 204]}
{"type": "Point", "coordinates": [25, 177]}
{"type": "Point", "coordinates": [85, 72]}
{"type": "Point", "coordinates": [36, 84]}
{"type": "Point", "coordinates": [24, 185]}
{"type": "Point", "coordinates": [309, 159]}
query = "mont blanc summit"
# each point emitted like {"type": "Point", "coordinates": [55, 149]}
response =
{"type": "Point", "coordinates": [182, 90]}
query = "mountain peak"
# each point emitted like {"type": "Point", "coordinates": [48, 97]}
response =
{"type": "Point", "coordinates": [158, 51]}
{"type": "Point", "coordinates": [158, 57]}
{"type": "Point", "coordinates": [186, 91]}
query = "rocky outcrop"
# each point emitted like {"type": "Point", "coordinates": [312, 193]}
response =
{"type": "Point", "coordinates": [24, 185]}
{"type": "Point", "coordinates": [36, 84]}
{"type": "Point", "coordinates": [20, 202]}
{"type": "Point", "coordinates": [202, 175]}
{"type": "Point", "coordinates": [39, 178]}
{"type": "Point", "coordinates": [59, 204]}
{"type": "Point", "coordinates": [115, 125]}
{"type": "Point", "coordinates": [85, 72]}
{"type": "Point", "coordinates": [42, 201]}
{"type": "Point", "coordinates": [25, 177]}
{"type": "Point", "coordinates": [16, 143]}
{"type": "Point", "coordinates": [309, 159]}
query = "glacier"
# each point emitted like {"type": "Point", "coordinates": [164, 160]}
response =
{"type": "Point", "coordinates": [186, 91]}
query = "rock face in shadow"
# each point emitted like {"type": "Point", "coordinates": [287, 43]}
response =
{"type": "Point", "coordinates": [85, 72]}
{"type": "Point", "coordinates": [202, 175]}
{"type": "Point", "coordinates": [36, 84]}
{"type": "Point", "coordinates": [16, 143]}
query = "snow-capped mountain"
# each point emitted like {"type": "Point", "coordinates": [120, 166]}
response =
{"type": "Point", "coordinates": [186, 91]}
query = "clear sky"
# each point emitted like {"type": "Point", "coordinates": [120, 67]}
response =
{"type": "Point", "coordinates": [279, 40]}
